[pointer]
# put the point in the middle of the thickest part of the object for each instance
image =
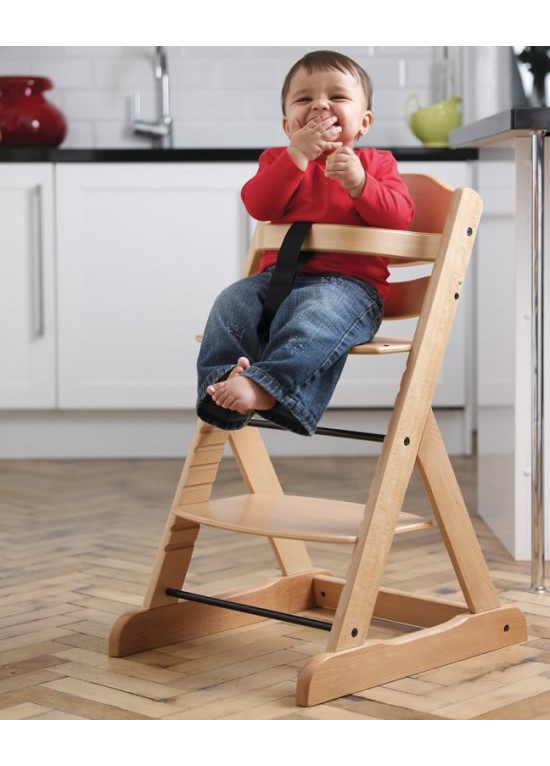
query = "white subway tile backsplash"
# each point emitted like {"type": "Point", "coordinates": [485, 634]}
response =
{"type": "Point", "coordinates": [80, 133]}
{"type": "Point", "coordinates": [418, 73]}
{"type": "Point", "coordinates": [227, 96]}
{"type": "Point", "coordinates": [215, 106]}
{"type": "Point", "coordinates": [262, 106]}
{"type": "Point", "coordinates": [209, 52]}
{"type": "Point", "coordinates": [15, 66]}
{"type": "Point", "coordinates": [76, 73]}
{"type": "Point", "coordinates": [97, 105]}
{"type": "Point", "coordinates": [405, 51]}
{"type": "Point", "coordinates": [123, 73]}
{"type": "Point", "coordinates": [392, 133]}
{"type": "Point", "coordinates": [27, 51]}
{"type": "Point", "coordinates": [389, 104]}
{"type": "Point", "coordinates": [384, 72]}
{"type": "Point", "coordinates": [241, 75]}
{"type": "Point", "coordinates": [94, 52]}
{"type": "Point", "coordinates": [191, 74]}
{"type": "Point", "coordinates": [285, 53]}
{"type": "Point", "coordinates": [239, 134]}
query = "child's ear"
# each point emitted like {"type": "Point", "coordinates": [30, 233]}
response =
{"type": "Point", "coordinates": [366, 122]}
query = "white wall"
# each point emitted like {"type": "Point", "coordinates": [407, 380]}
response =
{"type": "Point", "coordinates": [221, 96]}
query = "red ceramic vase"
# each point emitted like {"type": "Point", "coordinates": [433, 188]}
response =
{"type": "Point", "coordinates": [27, 119]}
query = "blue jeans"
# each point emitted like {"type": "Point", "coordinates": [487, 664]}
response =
{"type": "Point", "coordinates": [315, 326]}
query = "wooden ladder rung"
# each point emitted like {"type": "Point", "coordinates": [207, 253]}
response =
{"type": "Point", "coordinates": [290, 516]}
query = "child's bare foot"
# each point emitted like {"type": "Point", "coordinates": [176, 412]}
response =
{"type": "Point", "coordinates": [241, 395]}
{"type": "Point", "coordinates": [242, 364]}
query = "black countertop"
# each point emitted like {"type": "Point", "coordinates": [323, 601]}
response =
{"type": "Point", "coordinates": [507, 125]}
{"type": "Point", "coordinates": [402, 154]}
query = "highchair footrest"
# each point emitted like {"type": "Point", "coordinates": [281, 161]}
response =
{"type": "Point", "coordinates": [383, 344]}
{"type": "Point", "coordinates": [290, 516]}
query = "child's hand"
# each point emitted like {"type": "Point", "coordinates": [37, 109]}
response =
{"type": "Point", "coordinates": [312, 140]}
{"type": "Point", "coordinates": [345, 167]}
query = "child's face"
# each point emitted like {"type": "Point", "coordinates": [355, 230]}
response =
{"type": "Point", "coordinates": [331, 93]}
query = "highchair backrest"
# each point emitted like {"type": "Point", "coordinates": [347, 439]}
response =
{"type": "Point", "coordinates": [432, 199]}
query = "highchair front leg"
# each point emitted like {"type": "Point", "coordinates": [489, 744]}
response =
{"type": "Point", "coordinates": [164, 619]}
{"type": "Point", "coordinates": [135, 631]}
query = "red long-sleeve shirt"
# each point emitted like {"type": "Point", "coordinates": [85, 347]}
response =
{"type": "Point", "coordinates": [282, 193]}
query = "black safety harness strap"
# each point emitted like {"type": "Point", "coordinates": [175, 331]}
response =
{"type": "Point", "coordinates": [284, 274]}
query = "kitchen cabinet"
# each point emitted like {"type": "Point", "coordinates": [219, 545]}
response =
{"type": "Point", "coordinates": [142, 252]}
{"type": "Point", "coordinates": [27, 290]}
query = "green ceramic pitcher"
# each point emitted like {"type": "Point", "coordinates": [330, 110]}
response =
{"type": "Point", "coordinates": [432, 124]}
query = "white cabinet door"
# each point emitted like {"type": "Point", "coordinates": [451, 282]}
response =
{"type": "Point", "coordinates": [372, 381]}
{"type": "Point", "coordinates": [27, 332]}
{"type": "Point", "coordinates": [142, 252]}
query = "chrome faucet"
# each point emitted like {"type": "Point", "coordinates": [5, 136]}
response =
{"type": "Point", "coordinates": [160, 131]}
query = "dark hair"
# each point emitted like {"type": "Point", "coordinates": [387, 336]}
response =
{"type": "Point", "coordinates": [316, 61]}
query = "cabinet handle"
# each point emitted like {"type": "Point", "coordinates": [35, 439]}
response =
{"type": "Point", "coordinates": [37, 265]}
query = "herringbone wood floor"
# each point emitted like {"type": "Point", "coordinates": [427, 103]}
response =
{"type": "Point", "coordinates": [78, 540]}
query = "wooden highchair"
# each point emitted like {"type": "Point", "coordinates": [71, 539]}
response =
{"type": "Point", "coordinates": [441, 631]}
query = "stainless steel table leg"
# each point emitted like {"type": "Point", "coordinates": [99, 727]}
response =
{"type": "Point", "coordinates": [537, 352]}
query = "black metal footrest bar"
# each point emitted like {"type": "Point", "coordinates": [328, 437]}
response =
{"type": "Point", "coordinates": [308, 622]}
{"type": "Point", "coordinates": [342, 433]}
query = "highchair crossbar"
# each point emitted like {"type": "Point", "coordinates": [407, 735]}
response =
{"type": "Point", "coordinates": [259, 611]}
{"type": "Point", "coordinates": [342, 433]}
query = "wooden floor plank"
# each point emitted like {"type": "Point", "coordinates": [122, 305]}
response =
{"type": "Point", "coordinates": [79, 539]}
{"type": "Point", "coordinates": [113, 698]}
{"type": "Point", "coordinates": [493, 699]}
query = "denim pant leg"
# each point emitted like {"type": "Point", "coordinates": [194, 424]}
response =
{"type": "Point", "coordinates": [313, 330]}
{"type": "Point", "coordinates": [230, 332]}
{"type": "Point", "coordinates": [311, 334]}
